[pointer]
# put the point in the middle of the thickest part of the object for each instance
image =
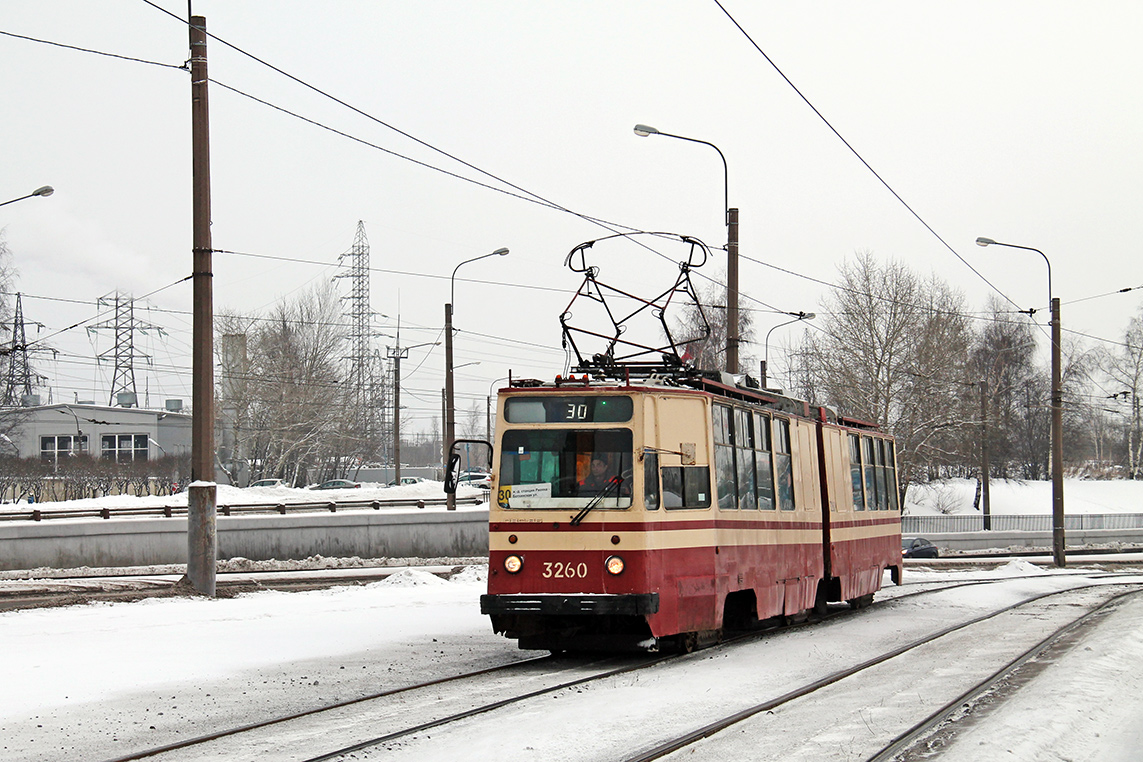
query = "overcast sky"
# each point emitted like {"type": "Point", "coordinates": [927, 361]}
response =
{"type": "Point", "coordinates": [1019, 121]}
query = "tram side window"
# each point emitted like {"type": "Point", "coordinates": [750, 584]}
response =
{"type": "Point", "coordinates": [725, 470]}
{"type": "Point", "coordinates": [651, 481]}
{"type": "Point", "coordinates": [686, 486]}
{"type": "Point", "coordinates": [869, 462]}
{"type": "Point", "coordinates": [783, 465]}
{"type": "Point", "coordinates": [855, 472]}
{"type": "Point", "coordinates": [744, 454]}
{"type": "Point", "coordinates": [882, 486]}
{"type": "Point", "coordinates": [763, 472]}
{"type": "Point", "coordinates": [891, 475]}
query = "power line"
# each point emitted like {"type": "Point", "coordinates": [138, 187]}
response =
{"type": "Point", "coordinates": [182, 67]}
{"type": "Point", "coordinates": [529, 196]}
{"type": "Point", "coordinates": [860, 157]}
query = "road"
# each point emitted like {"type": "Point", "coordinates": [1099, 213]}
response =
{"type": "Point", "coordinates": [99, 682]}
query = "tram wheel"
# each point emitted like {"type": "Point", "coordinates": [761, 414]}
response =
{"type": "Point", "coordinates": [821, 599]}
{"type": "Point", "coordinates": [685, 642]}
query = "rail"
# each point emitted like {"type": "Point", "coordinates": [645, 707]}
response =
{"type": "Point", "coordinates": [170, 511]}
{"type": "Point", "coordinates": [974, 522]}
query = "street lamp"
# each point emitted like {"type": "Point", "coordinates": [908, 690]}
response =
{"type": "Point", "coordinates": [44, 190]}
{"type": "Point", "coordinates": [732, 339]}
{"type": "Point", "coordinates": [798, 316]}
{"type": "Point", "coordinates": [8, 439]}
{"type": "Point", "coordinates": [1057, 412]}
{"type": "Point", "coordinates": [78, 432]}
{"type": "Point", "coordinates": [450, 403]}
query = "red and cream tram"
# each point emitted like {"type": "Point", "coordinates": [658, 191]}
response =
{"type": "Point", "coordinates": [652, 515]}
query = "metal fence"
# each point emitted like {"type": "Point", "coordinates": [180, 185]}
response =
{"type": "Point", "coordinates": [974, 522]}
{"type": "Point", "coordinates": [168, 511]}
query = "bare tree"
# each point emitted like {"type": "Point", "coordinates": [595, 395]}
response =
{"type": "Point", "coordinates": [1003, 357]}
{"type": "Point", "coordinates": [892, 349]}
{"type": "Point", "coordinates": [710, 353]}
{"type": "Point", "coordinates": [282, 391]}
{"type": "Point", "coordinates": [1125, 368]}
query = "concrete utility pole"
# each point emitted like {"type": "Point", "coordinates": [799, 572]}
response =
{"type": "Point", "coordinates": [733, 340]}
{"type": "Point", "coordinates": [985, 500]}
{"type": "Point", "coordinates": [1058, 552]}
{"type": "Point", "coordinates": [396, 356]}
{"type": "Point", "coordinates": [202, 495]}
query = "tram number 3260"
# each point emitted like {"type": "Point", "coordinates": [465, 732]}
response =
{"type": "Point", "coordinates": [560, 570]}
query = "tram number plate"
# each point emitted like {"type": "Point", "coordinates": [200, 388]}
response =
{"type": "Point", "coordinates": [561, 570]}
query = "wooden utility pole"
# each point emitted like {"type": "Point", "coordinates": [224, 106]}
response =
{"type": "Point", "coordinates": [202, 493]}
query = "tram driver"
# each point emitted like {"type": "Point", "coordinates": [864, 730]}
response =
{"type": "Point", "coordinates": [599, 476]}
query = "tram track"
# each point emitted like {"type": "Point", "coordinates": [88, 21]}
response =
{"type": "Point", "coordinates": [229, 743]}
{"type": "Point", "coordinates": [408, 714]}
{"type": "Point", "coordinates": [199, 741]}
{"type": "Point", "coordinates": [908, 738]}
{"type": "Point", "coordinates": [1063, 638]}
{"type": "Point", "coordinates": [465, 696]}
{"type": "Point", "coordinates": [208, 743]}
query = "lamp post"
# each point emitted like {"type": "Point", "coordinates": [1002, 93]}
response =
{"type": "Point", "coordinates": [43, 190]}
{"type": "Point", "coordinates": [1058, 554]}
{"type": "Point", "coordinates": [450, 403]}
{"type": "Point", "coordinates": [732, 338]}
{"type": "Point", "coordinates": [798, 316]}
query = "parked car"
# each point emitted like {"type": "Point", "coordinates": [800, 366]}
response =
{"type": "Point", "coordinates": [407, 480]}
{"type": "Point", "coordinates": [267, 483]}
{"type": "Point", "coordinates": [337, 484]}
{"type": "Point", "coordinates": [476, 479]}
{"type": "Point", "coordinates": [918, 547]}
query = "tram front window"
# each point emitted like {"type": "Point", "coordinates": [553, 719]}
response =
{"type": "Point", "coordinates": [556, 468]}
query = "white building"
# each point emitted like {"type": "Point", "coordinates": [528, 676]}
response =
{"type": "Point", "coordinates": [119, 433]}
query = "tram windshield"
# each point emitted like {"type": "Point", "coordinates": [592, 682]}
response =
{"type": "Point", "coordinates": [565, 468]}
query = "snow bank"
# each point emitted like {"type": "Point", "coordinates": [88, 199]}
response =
{"type": "Point", "coordinates": [1014, 497]}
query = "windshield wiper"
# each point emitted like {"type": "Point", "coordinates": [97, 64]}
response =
{"type": "Point", "coordinates": [612, 485]}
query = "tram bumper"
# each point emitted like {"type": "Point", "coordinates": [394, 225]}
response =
{"type": "Point", "coordinates": [559, 604]}
{"type": "Point", "coordinates": [563, 622]}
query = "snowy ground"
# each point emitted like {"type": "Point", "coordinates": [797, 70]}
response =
{"type": "Point", "coordinates": [948, 496]}
{"type": "Point", "coordinates": [96, 681]}
{"type": "Point", "coordinates": [1013, 497]}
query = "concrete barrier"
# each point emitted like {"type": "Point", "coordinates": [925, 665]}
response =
{"type": "Point", "coordinates": [143, 542]}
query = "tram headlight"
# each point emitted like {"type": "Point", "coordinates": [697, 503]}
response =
{"type": "Point", "coordinates": [513, 564]}
{"type": "Point", "coordinates": [614, 565]}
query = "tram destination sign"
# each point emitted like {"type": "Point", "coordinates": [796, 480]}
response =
{"type": "Point", "coordinates": [569, 409]}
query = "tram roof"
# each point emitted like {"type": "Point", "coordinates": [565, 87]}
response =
{"type": "Point", "coordinates": [742, 388]}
